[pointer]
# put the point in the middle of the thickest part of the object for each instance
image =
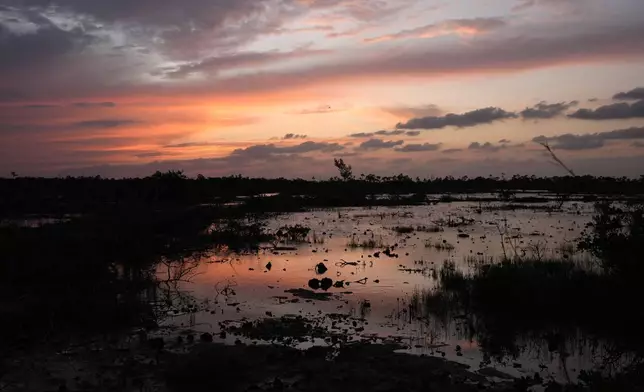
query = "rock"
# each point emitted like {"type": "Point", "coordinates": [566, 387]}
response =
{"type": "Point", "coordinates": [206, 337]}
{"type": "Point", "coordinates": [269, 265]}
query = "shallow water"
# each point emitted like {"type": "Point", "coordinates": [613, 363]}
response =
{"type": "Point", "coordinates": [226, 286]}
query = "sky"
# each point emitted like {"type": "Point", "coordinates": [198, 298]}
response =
{"type": "Point", "coordinates": [278, 88]}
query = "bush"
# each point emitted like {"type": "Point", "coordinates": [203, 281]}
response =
{"type": "Point", "coordinates": [617, 239]}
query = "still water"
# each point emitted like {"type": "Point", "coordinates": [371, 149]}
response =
{"type": "Point", "coordinates": [377, 289]}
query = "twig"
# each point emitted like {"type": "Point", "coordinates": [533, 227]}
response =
{"type": "Point", "coordinates": [343, 263]}
{"type": "Point", "coordinates": [559, 161]}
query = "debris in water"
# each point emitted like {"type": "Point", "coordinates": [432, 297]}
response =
{"type": "Point", "coordinates": [320, 269]}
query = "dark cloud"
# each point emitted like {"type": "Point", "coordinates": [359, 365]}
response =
{"type": "Point", "coordinates": [572, 142]}
{"type": "Point", "coordinates": [452, 150]}
{"type": "Point", "coordinates": [487, 146]}
{"type": "Point", "coordinates": [190, 144]}
{"type": "Point", "coordinates": [614, 111]}
{"type": "Point", "coordinates": [419, 147]}
{"type": "Point", "coordinates": [413, 111]}
{"type": "Point", "coordinates": [469, 119]}
{"type": "Point", "coordinates": [379, 144]}
{"type": "Point", "coordinates": [590, 141]}
{"type": "Point", "coordinates": [47, 44]}
{"type": "Point", "coordinates": [99, 142]}
{"type": "Point", "coordinates": [561, 4]}
{"type": "Point", "coordinates": [213, 65]}
{"type": "Point", "coordinates": [109, 123]}
{"type": "Point", "coordinates": [615, 40]}
{"type": "Point", "coordinates": [504, 141]}
{"type": "Point", "coordinates": [94, 104]}
{"type": "Point", "coordinates": [634, 94]}
{"type": "Point", "coordinates": [544, 110]}
{"type": "Point", "coordinates": [290, 136]}
{"type": "Point", "coordinates": [151, 154]}
{"type": "Point", "coordinates": [592, 43]}
{"type": "Point", "coordinates": [189, 23]}
{"type": "Point", "coordinates": [395, 132]}
{"type": "Point", "coordinates": [389, 133]}
{"type": "Point", "coordinates": [265, 150]}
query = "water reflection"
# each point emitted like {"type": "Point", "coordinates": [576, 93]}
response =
{"type": "Point", "coordinates": [384, 285]}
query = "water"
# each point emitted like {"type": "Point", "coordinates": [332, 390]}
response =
{"type": "Point", "coordinates": [226, 286]}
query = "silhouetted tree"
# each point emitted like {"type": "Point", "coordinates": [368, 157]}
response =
{"type": "Point", "coordinates": [345, 170]}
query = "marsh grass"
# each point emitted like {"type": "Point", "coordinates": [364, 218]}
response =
{"type": "Point", "coordinates": [370, 243]}
{"type": "Point", "coordinates": [315, 239]}
{"type": "Point", "coordinates": [440, 245]}
{"type": "Point", "coordinates": [512, 299]}
{"type": "Point", "coordinates": [430, 229]}
{"type": "Point", "coordinates": [403, 229]}
{"type": "Point", "coordinates": [295, 233]}
{"type": "Point", "coordinates": [455, 221]}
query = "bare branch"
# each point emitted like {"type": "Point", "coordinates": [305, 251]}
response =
{"type": "Point", "coordinates": [556, 159]}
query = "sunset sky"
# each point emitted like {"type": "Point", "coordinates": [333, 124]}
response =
{"type": "Point", "coordinates": [281, 87]}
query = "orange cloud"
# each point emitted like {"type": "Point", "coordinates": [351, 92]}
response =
{"type": "Point", "coordinates": [462, 27]}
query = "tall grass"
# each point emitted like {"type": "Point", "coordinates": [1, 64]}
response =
{"type": "Point", "coordinates": [370, 243]}
{"type": "Point", "coordinates": [515, 298]}
{"type": "Point", "coordinates": [441, 245]}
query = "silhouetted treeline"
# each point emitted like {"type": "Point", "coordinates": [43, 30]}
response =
{"type": "Point", "coordinates": [81, 194]}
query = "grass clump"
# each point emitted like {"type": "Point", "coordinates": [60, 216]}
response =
{"type": "Point", "coordinates": [430, 229]}
{"type": "Point", "coordinates": [440, 245]}
{"type": "Point", "coordinates": [404, 229]}
{"type": "Point", "coordinates": [315, 239]}
{"type": "Point", "coordinates": [370, 243]}
{"type": "Point", "coordinates": [295, 233]}
{"type": "Point", "coordinates": [511, 300]}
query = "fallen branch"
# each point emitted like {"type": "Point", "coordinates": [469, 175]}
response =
{"type": "Point", "coordinates": [343, 263]}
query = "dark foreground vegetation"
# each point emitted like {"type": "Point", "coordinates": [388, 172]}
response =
{"type": "Point", "coordinates": [88, 274]}
{"type": "Point", "coordinates": [520, 301]}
